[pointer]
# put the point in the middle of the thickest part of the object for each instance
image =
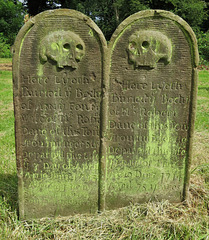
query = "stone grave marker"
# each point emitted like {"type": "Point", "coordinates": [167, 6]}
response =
{"type": "Point", "coordinates": [99, 127]}
{"type": "Point", "coordinates": [152, 95]}
{"type": "Point", "coordinates": [57, 95]}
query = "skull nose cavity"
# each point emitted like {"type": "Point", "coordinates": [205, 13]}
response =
{"type": "Point", "coordinates": [145, 44]}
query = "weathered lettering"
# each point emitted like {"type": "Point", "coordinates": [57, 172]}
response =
{"type": "Point", "coordinates": [150, 121]}
{"type": "Point", "coordinates": [57, 92]}
{"type": "Point", "coordinates": [103, 125]}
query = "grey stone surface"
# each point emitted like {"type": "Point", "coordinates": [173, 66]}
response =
{"type": "Point", "coordinates": [98, 126]}
{"type": "Point", "coordinates": [152, 94]}
{"type": "Point", "coordinates": [57, 93]}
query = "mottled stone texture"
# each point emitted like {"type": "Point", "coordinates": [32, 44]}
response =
{"type": "Point", "coordinates": [99, 127]}
{"type": "Point", "coordinates": [57, 93]}
{"type": "Point", "coordinates": [151, 99]}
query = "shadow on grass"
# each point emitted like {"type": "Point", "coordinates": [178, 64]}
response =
{"type": "Point", "coordinates": [9, 189]}
{"type": "Point", "coordinates": [203, 88]}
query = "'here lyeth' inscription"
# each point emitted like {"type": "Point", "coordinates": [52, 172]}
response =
{"type": "Point", "coordinates": [150, 97]}
{"type": "Point", "coordinates": [99, 127]}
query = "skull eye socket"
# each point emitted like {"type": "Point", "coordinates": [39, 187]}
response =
{"type": "Point", "coordinates": [54, 46]}
{"type": "Point", "coordinates": [66, 46]}
{"type": "Point", "coordinates": [132, 46]}
{"type": "Point", "coordinates": [79, 46]}
{"type": "Point", "coordinates": [145, 44]}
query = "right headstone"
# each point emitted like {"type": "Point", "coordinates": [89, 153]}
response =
{"type": "Point", "coordinates": [152, 97]}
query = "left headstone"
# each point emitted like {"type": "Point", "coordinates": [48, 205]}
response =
{"type": "Point", "coordinates": [57, 75]}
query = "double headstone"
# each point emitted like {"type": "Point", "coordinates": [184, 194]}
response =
{"type": "Point", "coordinates": [98, 126]}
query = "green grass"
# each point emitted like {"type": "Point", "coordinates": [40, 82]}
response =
{"type": "Point", "coordinates": [5, 60]}
{"type": "Point", "coordinates": [8, 178]}
{"type": "Point", "coordinates": [161, 220]}
{"type": "Point", "coordinates": [202, 119]}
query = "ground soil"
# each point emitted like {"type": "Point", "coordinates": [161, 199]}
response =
{"type": "Point", "coordinates": [6, 66]}
{"type": "Point", "coordinates": [203, 67]}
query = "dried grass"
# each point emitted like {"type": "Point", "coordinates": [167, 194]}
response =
{"type": "Point", "coordinates": [152, 220]}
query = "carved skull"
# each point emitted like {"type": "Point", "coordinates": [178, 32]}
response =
{"type": "Point", "coordinates": [146, 48]}
{"type": "Point", "coordinates": [65, 48]}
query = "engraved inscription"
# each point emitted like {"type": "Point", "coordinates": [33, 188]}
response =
{"type": "Point", "coordinates": [100, 126]}
{"type": "Point", "coordinates": [58, 99]}
{"type": "Point", "coordinates": [149, 107]}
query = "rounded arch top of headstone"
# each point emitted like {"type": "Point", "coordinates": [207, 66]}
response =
{"type": "Point", "coordinates": [60, 12]}
{"type": "Point", "coordinates": [47, 14]}
{"type": "Point", "coordinates": [191, 38]}
{"type": "Point", "coordinates": [101, 125]}
{"type": "Point", "coordinates": [58, 74]}
{"type": "Point", "coordinates": [153, 59]}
